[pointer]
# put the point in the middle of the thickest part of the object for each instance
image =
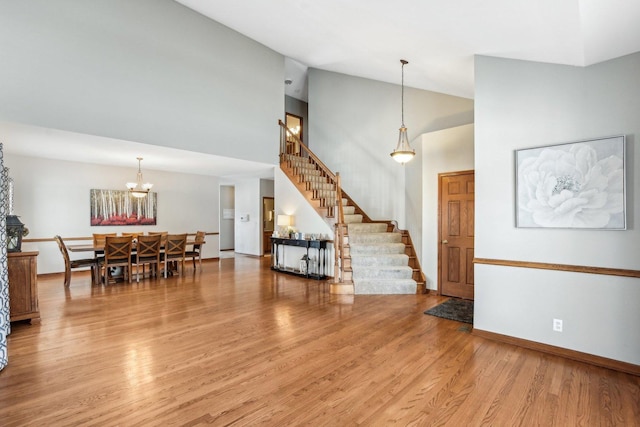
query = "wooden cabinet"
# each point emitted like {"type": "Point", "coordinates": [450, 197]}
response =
{"type": "Point", "coordinates": [23, 286]}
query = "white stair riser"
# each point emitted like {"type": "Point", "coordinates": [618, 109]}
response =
{"type": "Point", "coordinates": [393, 272]}
{"type": "Point", "coordinates": [352, 218]}
{"type": "Point", "coordinates": [375, 238]}
{"type": "Point", "coordinates": [313, 179]}
{"type": "Point", "coordinates": [382, 260]}
{"type": "Point", "coordinates": [320, 186]}
{"type": "Point", "coordinates": [371, 227]}
{"type": "Point", "coordinates": [366, 249]}
{"type": "Point", "coordinates": [383, 287]}
{"type": "Point", "coordinates": [348, 210]}
{"type": "Point", "coordinates": [325, 193]}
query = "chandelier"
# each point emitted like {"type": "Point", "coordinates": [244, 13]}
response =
{"type": "Point", "coordinates": [138, 189]}
{"type": "Point", "coordinates": [403, 152]}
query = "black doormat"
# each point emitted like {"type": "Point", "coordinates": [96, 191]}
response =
{"type": "Point", "coordinates": [460, 310]}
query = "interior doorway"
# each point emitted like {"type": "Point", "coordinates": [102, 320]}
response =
{"type": "Point", "coordinates": [456, 201]}
{"type": "Point", "coordinates": [294, 123]}
{"type": "Point", "coordinates": [227, 221]}
{"type": "Point", "coordinates": [268, 223]}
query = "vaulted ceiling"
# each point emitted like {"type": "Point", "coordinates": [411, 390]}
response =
{"type": "Point", "coordinates": [367, 38]}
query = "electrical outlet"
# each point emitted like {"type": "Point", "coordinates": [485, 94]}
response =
{"type": "Point", "coordinates": [557, 325]}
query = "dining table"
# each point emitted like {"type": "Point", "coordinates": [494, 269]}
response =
{"type": "Point", "coordinates": [90, 247]}
{"type": "Point", "coordinates": [99, 250]}
{"type": "Point", "coordinates": [85, 247]}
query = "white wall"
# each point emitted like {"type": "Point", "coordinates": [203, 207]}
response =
{"type": "Point", "coordinates": [523, 104]}
{"type": "Point", "coordinates": [353, 127]}
{"type": "Point", "coordinates": [52, 197]}
{"type": "Point", "coordinates": [149, 71]}
{"type": "Point", "coordinates": [448, 150]}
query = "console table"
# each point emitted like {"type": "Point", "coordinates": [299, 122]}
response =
{"type": "Point", "coordinates": [278, 263]}
{"type": "Point", "coordinates": [23, 286]}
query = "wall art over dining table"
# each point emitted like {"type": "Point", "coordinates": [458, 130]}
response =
{"type": "Point", "coordinates": [118, 207]}
{"type": "Point", "coordinates": [572, 185]}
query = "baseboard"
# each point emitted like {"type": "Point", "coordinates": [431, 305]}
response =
{"type": "Point", "coordinates": [628, 368]}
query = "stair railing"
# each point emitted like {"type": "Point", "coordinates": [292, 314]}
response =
{"type": "Point", "coordinates": [339, 237]}
{"type": "Point", "coordinates": [292, 145]}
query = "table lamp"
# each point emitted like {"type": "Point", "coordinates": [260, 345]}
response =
{"type": "Point", "coordinates": [284, 222]}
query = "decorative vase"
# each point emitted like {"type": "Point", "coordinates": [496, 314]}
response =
{"type": "Point", "coordinates": [303, 264]}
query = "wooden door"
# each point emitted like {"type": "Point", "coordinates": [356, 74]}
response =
{"type": "Point", "coordinates": [456, 231]}
{"type": "Point", "coordinates": [268, 222]}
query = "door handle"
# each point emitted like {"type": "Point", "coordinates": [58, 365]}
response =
{"type": "Point", "coordinates": [444, 242]}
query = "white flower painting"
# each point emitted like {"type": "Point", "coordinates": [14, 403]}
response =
{"type": "Point", "coordinates": [575, 185]}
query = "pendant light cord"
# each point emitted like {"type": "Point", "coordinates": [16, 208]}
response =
{"type": "Point", "coordinates": [404, 62]}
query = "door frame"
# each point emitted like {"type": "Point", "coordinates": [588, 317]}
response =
{"type": "Point", "coordinates": [264, 237]}
{"type": "Point", "coordinates": [440, 176]}
{"type": "Point", "coordinates": [300, 120]}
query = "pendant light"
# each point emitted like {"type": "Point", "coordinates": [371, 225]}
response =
{"type": "Point", "coordinates": [403, 152]}
{"type": "Point", "coordinates": [138, 189]}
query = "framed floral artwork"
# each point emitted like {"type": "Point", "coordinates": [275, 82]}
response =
{"type": "Point", "coordinates": [572, 185]}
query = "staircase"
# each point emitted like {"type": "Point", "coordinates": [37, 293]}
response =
{"type": "Point", "coordinates": [378, 260]}
{"type": "Point", "coordinates": [372, 257]}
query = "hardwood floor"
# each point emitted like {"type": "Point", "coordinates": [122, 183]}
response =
{"type": "Point", "coordinates": [238, 344]}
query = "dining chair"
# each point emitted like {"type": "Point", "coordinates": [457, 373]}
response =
{"type": "Point", "coordinates": [147, 252]}
{"type": "Point", "coordinates": [98, 239]}
{"type": "Point", "coordinates": [75, 263]}
{"type": "Point", "coordinates": [133, 235]}
{"type": "Point", "coordinates": [164, 235]}
{"type": "Point", "coordinates": [117, 253]}
{"type": "Point", "coordinates": [174, 250]}
{"type": "Point", "coordinates": [196, 251]}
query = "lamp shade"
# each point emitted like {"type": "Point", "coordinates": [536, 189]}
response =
{"type": "Point", "coordinates": [284, 220]}
{"type": "Point", "coordinates": [403, 152]}
{"type": "Point", "coordinates": [139, 189]}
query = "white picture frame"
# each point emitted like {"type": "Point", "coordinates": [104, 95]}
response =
{"type": "Point", "coordinates": [572, 185]}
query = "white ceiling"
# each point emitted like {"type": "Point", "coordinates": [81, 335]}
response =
{"type": "Point", "coordinates": [367, 38]}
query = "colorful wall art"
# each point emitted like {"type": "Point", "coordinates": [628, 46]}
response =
{"type": "Point", "coordinates": [118, 207]}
